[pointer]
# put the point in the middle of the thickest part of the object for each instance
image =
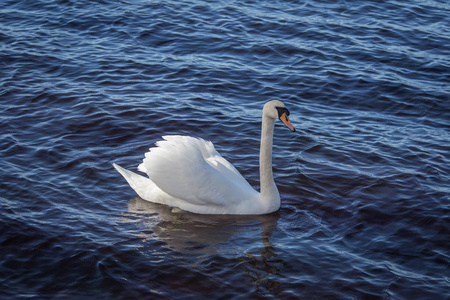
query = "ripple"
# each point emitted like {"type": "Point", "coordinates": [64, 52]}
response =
{"type": "Point", "coordinates": [364, 180]}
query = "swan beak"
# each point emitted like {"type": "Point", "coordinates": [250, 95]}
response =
{"type": "Point", "coordinates": [285, 119]}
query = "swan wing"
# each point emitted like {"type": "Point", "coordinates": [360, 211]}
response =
{"type": "Point", "coordinates": [191, 169]}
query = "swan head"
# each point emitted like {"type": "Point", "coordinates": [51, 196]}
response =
{"type": "Point", "coordinates": [276, 109]}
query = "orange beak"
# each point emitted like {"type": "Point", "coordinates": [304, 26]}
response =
{"type": "Point", "coordinates": [285, 119]}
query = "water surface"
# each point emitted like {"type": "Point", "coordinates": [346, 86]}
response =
{"type": "Point", "coordinates": [364, 181]}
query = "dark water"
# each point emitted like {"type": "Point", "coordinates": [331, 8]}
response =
{"type": "Point", "coordinates": [364, 182]}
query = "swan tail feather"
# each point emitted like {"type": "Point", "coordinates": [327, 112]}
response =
{"type": "Point", "coordinates": [137, 182]}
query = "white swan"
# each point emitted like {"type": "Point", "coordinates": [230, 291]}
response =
{"type": "Point", "coordinates": [188, 173]}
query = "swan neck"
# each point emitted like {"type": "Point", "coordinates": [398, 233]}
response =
{"type": "Point", "coordinates": [269, 191]}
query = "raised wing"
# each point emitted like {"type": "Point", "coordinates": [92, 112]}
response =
{"type": "Point", "coordinates": [191, 169]}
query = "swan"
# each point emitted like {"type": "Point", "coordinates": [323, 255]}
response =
{"type": "Point", "coordinates": [189, 174]}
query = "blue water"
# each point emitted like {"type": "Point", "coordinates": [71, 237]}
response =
{"type": "Point", "coordinates": [364, 181]}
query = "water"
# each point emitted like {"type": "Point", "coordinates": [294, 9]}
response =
{"type": "Point", "coordinates": [364, 181]}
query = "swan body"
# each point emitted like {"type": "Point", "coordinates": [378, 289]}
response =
{"type": "Point", "coordinates": [188, 173]}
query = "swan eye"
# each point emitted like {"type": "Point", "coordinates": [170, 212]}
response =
{"type": "Point", "coordinates": [282, 111]}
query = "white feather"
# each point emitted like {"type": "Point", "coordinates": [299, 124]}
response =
{"type": "Point", "coordinates": [188, 173]}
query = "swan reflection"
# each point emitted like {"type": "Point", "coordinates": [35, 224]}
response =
{"type": "Point", "coordinates": [201, 237]}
